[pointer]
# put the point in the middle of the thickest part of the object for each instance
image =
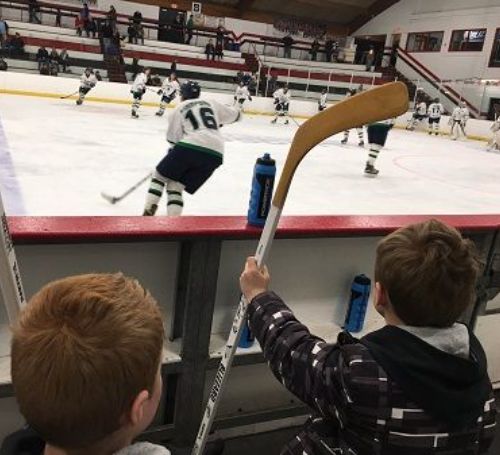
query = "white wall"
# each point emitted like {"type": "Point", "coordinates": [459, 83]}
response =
{"type": "Point", "coordinates": [409, 16]}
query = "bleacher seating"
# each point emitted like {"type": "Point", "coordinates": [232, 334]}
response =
{"type": "Point", "coordinates": [306, 78]}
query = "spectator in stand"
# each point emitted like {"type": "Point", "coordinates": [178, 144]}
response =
{"type": "Point", "coordinates": [53, 68]}
{"type": "Point", "coordinates": [137, 18]}
{"type": "Point", "coordinates": [252, 85]}
{"type": "Point", "coordinates": [139, 30]}
{"type": "Point", "coordinates": [272, 85]}
{"type": "Point", "coordinates": [85, 13]}
{"type": "Point", "coordinates": [178, 28]}
{"type": "Point", "coordinates": [219, 51]}
{"type": "Point", "coordinates": [288, 42]}
{"type": "Point", "coordinates": [42, 56]}
{"type": "Point", "coordinates": [97, 75]}
{"type": "Point", "coordinates": [173, 67]}
{"type": "Point", "coordinates": [189, 29]}
{"type": "Point", "coordinates": [54, 58]}
{"type": "Point", "coordinates": [79, 25]}
{"type": "Point", "coordinates": [64, 60]}
{"type": "Point", "coordinates": [220, 36]}
{"type": "Point", "coordinates": [33, 9]}
{"type": "Point", "coordinates": [45, 69]}
{"type": "Point", "coordinates": [132, 32]}
{"type": "Point", "coordinates": [155, 80]}
{"type": "Point", "coordinates": [370, 58]}
{"type": "Point", "coordinates": [15, 46]}
{"type": "Point", "coordinates": [112, 16]}
{"type": "Point", "coordinates": [314, 50]}
{"type": "Point", "coordinates": [3, 65]}
{"type": "Point", "coordinates": [58, 17]}
{"type": "Point", "coordinates": [4, 31]}
{"type": "Point", "coordinates": [328, 49]}
{"type": "Point", "coordinates": [91, 27]}
{"type": "Point", "coordinates": [210, 49]}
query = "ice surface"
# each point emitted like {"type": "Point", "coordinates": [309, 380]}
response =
{"type": "Point", "coordinates": [62, 157]}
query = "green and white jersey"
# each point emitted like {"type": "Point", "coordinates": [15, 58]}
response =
{"type": "Point", "coordinates": [196, 124]}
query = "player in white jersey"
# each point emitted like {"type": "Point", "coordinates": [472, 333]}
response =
{"type": "Point", "coordinates": [377, 136]}
{"type": "Point", "coordinates": [241, 95]}
{"type": "Point", "coordinates": [418, 116]}
{"type": "Point", "coordinates": [435, 111]}
{"type": "Point", "coordinates": [322, 100]}
{"type": "Point", "coordinates": [138, 90]}
{"type": "Point", "coordinates": [169, 90]}
{"type": "Point", "coordinates": [282, 98]}
{"type": "Point", "coordinates": [458, 120]}
{"type": "Point", "coordinates": [87, 82]}
{"type": "Point", "coordinates": [361, 135]}
{"type": "Point", "coordinates": [197, 149]}
{"type": "Point", "coordinates": [494, 144]}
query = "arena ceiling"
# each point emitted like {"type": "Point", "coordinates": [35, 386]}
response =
{"type": "Point", "coordinates": [341, 12]}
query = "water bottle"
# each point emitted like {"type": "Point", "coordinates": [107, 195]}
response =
{"type": "Point", "coordinates": [358, 304]}
{"type": "Point", "coordinates": [262, 190]}
{"type": "Point", "coordinates": [247, 338]}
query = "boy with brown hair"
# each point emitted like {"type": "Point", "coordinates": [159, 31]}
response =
{"type": "Point", "coordinates": [418, 386]}
{"type": "Point", "coordinates": [86, 357]}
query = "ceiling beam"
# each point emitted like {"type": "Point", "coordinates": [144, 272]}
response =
{"type": "Point", "coordinates": [377, 8]}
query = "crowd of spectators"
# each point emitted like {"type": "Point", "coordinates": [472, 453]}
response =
{"type": "Point", "coordinates": [296, 26]}
{"type": "Point", "coordinates": [52, 63]}
{"type": "Point", "coordinates": [330, 48]}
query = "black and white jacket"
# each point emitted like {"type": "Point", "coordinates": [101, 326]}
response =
{"type": "Point", "coordinates": [389, 393]}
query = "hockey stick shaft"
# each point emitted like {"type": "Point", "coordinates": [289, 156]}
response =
{"type": "Point", "coordinates": [128, 191]}
{"type": "Point", "coordinates": [69, 96]}
{"type": "Point", "coordinates": [11, 286]}
{"type": "Point", "coordinates": [364, 108]}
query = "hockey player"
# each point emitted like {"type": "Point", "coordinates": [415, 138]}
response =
{"type": "Point", "coordinates": [322, 100]}
{"type": "Point", "coordinates": [138, 90]}
{"type": "Point", "coordinates": [494, 144]}
{"type": "Point", "coordinates": [377, 136]}
{"type": "Point", "coordinates": [435, 112]}
{"type": "Point", "coordinates": [458, 120]}
{"type": "Point", "coordinates": [242, 94]}
{"type": "Point", "coordinates": [282, 98]}
{"type": "Point", "coordinates": [169, 90]}
{"type": "Point", "coordinates": [197, 149]}
{"type": "Point", "coordinates": [418, 116]}
{"type": "Point", "coordinates": [87, 82]}
{"type": "Point", "coordinates": [361, 136]}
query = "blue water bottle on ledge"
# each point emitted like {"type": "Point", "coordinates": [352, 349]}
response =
{"type": "Point", "coordinates": [358, 304]}
{"type": "Point", "coordinates": [247, 338]}
{"type": "Point", "coordinates": [262, 190]}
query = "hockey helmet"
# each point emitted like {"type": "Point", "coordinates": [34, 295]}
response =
{"type": "Point", "coordinates": [89, 70]}
{"type": "Point", "coordinates": [190, 90]}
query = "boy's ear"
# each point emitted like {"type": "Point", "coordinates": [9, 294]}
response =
{"type": "Point", "coordinates": [137, 410]}
{"type": "Point", "coordinates": [381, 300]}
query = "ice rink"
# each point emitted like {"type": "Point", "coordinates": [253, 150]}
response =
{"type": "Point", "coordinates": [56, 158]}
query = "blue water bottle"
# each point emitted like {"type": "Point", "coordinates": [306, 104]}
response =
{"type": "Point", "coordinates": [247, 338]}
{"type": "Point", "coordinates": [358, 304]}
{"type": "Point", "coordinates": [262, 190]}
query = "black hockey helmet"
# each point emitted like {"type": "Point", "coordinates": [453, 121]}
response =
{"type": "Point", "coordinates": [89, 70]}
{"type": "Point", "coordinates": [190, 90]}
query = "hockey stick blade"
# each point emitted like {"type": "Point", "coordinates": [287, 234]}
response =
{"type": "Point", "coordinates": [68, 96]}
{"type": "Point", "coordinates": [378, 104]}
{"type": "Point", "coordinates": [111, 199]}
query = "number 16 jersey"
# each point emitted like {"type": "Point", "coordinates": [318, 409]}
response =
{"type": "Point", "coordinates": [196, 124]}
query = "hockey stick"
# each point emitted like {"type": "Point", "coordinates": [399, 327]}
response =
{"type": "Point", "coordinates": [295, 121]}
{"type": "Point", "coordinates": [378, 104]}
{"type": "Point", "coordinates": [68, 96]}
{"type": "Point", "coordinates": [115, 199]}
{"type": "Point", "coordinates": [11, 286]}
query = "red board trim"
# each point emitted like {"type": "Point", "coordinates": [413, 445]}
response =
{"type": "Point", "coordinates": [43, 230]}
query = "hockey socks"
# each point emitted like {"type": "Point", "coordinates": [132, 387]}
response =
{"type": "Point", "coordinates": [175, 202]}
{"type": "Point", "coordinates": [154, 195]}
{"type": "Point", "coordinates": [361, 137]}
{"type": "Point", "coordinates": [372, 157]}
